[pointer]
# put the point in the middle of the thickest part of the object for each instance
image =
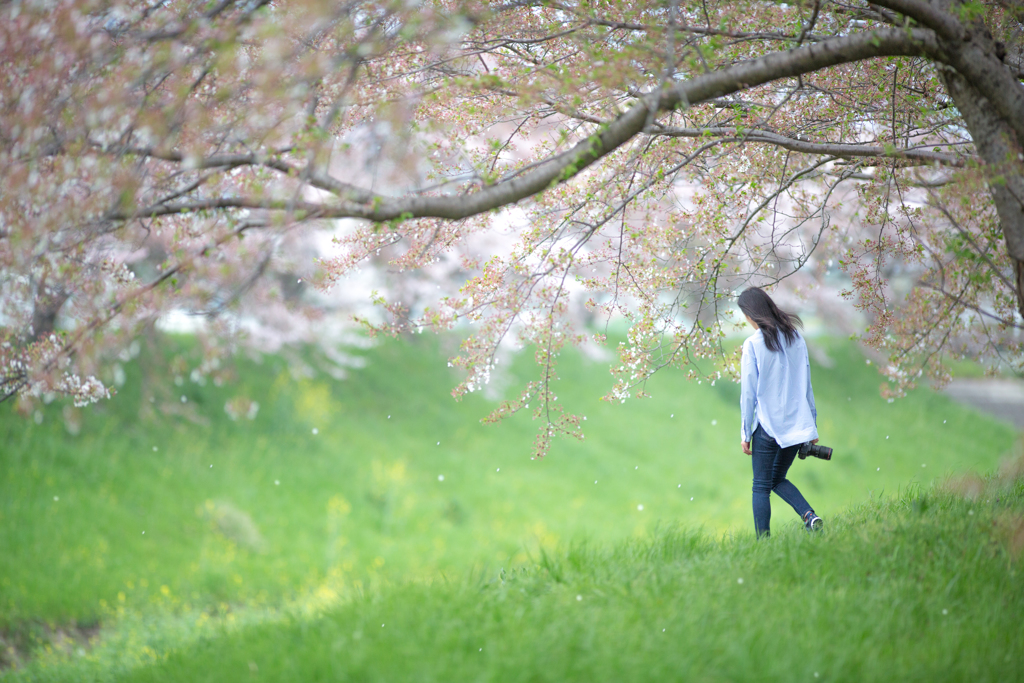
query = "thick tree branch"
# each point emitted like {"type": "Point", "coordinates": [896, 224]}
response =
{"type": "Point", "coordinates": [927, 14]}
{"type": "Point", "coordinates": [562, 167]}
{"type": "Point", "coordinates": [971, 51]}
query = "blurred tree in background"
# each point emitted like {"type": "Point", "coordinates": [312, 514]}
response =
{"type": "Point", "coordinates": [528, 169]}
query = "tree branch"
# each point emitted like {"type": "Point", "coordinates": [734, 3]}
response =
{"type": "Point", "coordinates": [971, 51]}
{"type": "Point", "coordinates": [321, 181]}
{"type": "Point", "coordinates": [743, 75]}
{"type": "Point", "coordinates": [731, 134]}
{"type": "Point", "coordinates": [928, 15]}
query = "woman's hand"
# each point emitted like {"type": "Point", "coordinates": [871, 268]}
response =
{"type": "Point", "coordinates": [745, 445]}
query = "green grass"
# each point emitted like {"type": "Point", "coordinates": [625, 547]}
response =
{"type": "Point", "coordinates": [910, 589]}
{"type": "Point", "coordinates": [926, 586]}
{"type": "Point", "coordinates": [359, 506]}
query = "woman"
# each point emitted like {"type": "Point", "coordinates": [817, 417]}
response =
{"type": "Point", "coordinates": [776, 381]}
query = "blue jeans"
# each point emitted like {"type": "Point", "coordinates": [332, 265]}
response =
{"type": "Point", "coordinates": [771, 463]}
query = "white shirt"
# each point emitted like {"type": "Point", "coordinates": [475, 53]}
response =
{"type": "Point", "coordinates": [778, 385]}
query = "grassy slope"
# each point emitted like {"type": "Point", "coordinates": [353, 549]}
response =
{"type": "Point", "coordinates": [909, 589]}
{"type": "Point", "coordinates": [917, 588]}
{"type": "Point", "coordinates": [361, 501]}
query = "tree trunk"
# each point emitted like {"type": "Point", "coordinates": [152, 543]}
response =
{"type": "Point", "coordinates": [49, 300]}
{"type": "Point", "coordinates": [998, 146]}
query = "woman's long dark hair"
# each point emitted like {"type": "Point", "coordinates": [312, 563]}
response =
{"type": "Point", "coordinates": [770, 319]}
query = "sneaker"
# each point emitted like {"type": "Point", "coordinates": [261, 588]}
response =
{"type": "Point", "coordinates": [812, 521]}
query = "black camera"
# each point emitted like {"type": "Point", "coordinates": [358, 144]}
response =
{"type": "Point", "coordinates": [815, 451]}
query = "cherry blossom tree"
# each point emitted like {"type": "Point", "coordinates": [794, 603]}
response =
{"type": "Point", "coordinates": [563, 163]}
